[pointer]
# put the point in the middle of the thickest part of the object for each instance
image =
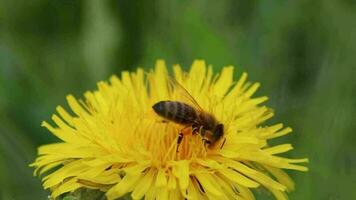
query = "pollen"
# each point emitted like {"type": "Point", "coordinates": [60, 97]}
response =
{"type": "Point", "coordinates": [112, 140]}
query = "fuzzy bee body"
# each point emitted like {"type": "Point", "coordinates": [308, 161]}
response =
{"type": "Point", "coordinates": [176, 111]}
{"type": "Point", "coordinates": [201, 122]}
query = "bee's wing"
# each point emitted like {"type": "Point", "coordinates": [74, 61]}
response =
{"type": "Point", "coordinates": [182, 94]}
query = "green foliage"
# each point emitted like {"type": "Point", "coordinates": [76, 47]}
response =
{"type": "Point", "coordinates": [303, 53]}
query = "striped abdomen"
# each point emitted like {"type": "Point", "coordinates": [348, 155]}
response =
{"type": "Point", "coordinates": [176, 111]}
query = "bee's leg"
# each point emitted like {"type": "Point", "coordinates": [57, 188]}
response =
{"type": "Point", "coordinates": [202, 131]}
{"type": "Point", "coordinates": [180, 136]}
{"type": "Point", "coordinates": [179, 140]}
{"type": "Point", "coordinates": [223, 143]}
{"type": "Point", "coordinates": [195, 129]}
{"type": "Point", "coordinates": [206, 142]}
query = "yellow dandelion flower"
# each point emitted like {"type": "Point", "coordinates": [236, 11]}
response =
{"type": "Point", "coordinates": [115, 142]}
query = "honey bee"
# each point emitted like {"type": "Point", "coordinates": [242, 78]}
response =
{"type": "Point", "coordinates": [191, 116]}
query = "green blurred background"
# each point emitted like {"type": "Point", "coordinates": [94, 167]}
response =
{"type": "Point", "coordinates": [303, 52]}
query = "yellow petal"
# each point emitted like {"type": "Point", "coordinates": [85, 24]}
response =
{"type": "Point", "coordinates": [136, 168]}
{"type": "Point", "coordinates": [212, 164]}
{"type": "Point", "coordinates": [174, 194]}
{"type": "Point", "coordinates": [280, 195]}
{"type": "Point", "coordinates": [181, 171]}
{"type": "Point", "coordinates": [227, 188]}
{"type": "Point", "coordinates": [161, 179]}
{"type": "Point", "coordinates": [143, 185]}
{"type": "Point", "coordinates": [64, 114]}
{"type": "Point", "coordinates": [282, 177]}
{"type": "Point", "coordinates": [281, 133]}
{"type": "Point", "coordinates": [67, 186]}
{"type": "Point", "coordinates": [252, 89]}
{"type": "Point", "coordinates": [192, 192]}
{"type": "Point", "coordinates": [278, 149]}
{"type": "Point", "coordinates": [197, 75]}
{"type": "Point", "coordinates": [208, 183]}
{"type": "Point", "coordinates": [245, 192]}
{"type": "Point", "coordinates": [172, 182]}
{"type": "Point", "coordinates": [254, 174]}
{"type": "Point", "coordinates": [223, 83]}
{"type": "Point", "coordinates": [162, 193]}
{"type": "Point", "coordinates": [63, 135]}
{"type": "Point", "coordinates": [76, 107]}
{"type": "Point", "coordinates": [124, 186]}
{"type": "Point", "coordinates": [238, 178]}
{"type": "Point", "coordinates": [68, 170]}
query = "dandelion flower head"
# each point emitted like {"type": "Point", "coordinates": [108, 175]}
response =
{"type": "Point", "coordinates": [112, 140]}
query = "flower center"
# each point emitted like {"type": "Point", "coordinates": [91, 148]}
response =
{"type": "Point", "coordinates": [162, 143]}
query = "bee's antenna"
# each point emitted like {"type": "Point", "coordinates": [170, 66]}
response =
{"type": "Point", "coordinates": [223, 143]}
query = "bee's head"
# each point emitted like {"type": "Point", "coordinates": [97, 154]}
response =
{"type": "Point", "coordinates": [218, 131]}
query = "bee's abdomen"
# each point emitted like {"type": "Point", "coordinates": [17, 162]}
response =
{"type": "Point", "coordinates": [176, 111]}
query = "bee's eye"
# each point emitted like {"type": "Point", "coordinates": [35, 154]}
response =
{"type": "Point", "coordinates": [219, 131]}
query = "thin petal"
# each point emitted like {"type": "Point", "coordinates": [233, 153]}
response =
{"type": "Point", "coordinates": [181, 171]}
{"type": "Point", "coordinates": [161, 179]}
{"type": "Point", "coordinates": [208, 183]}
{"type": "Point", "coordinates": [67, 186]}
{"type": "Point", "coordinates": [223, 83]}
{"type": "Point", "coordinates": [143, 185]}
{"type": "Point", "coordinates": [282, 177]}
{"type": "Point", "coordinates": [238, 178]}
{"type": "Point", "coordinates": [278, 149]}
{"type": "Point", "coordinates": [124, 186]}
